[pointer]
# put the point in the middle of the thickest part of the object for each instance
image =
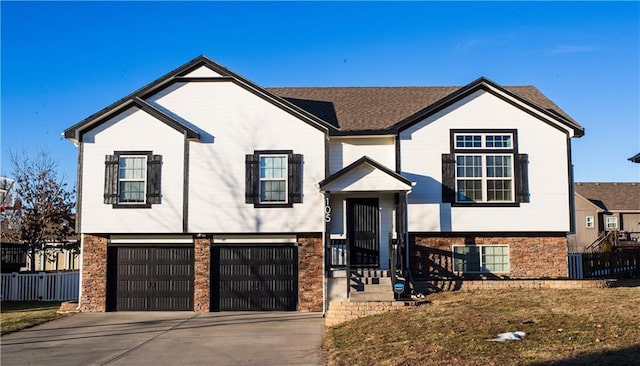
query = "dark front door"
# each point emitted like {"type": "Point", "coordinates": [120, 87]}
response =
{"type": "Point", "coordinates": [260, 277]}
{"type": "Point", "coordinates": [362, 232]}
{"type": "Point", "coordinates": [144, 278]}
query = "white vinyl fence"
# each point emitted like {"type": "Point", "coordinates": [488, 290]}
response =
{"type": "Point", "coordinates": [56, 286]}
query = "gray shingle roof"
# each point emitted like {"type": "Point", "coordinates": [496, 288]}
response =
{"type": "Point", "coordinates": [611, 196]}
{"type": "Point", "coordinates": [377, 108]}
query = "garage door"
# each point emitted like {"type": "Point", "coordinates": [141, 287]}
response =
{"type": "Point", "coordinates": [254, 278]}
{"type": "Point", "coordinates": [150, 278]}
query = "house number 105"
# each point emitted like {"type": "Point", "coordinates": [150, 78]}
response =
{"type": "Point", "coordinates": [327, 210]}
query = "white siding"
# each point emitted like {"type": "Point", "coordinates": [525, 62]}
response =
{"type": "Point", "coordinates": [203, 71]}
{"type": "Point", "coordinates": [132, 130]}
{"type": "Point", "coordinates": [548, 170]}
{"type": "Point", "coordinates": [366, 178]}
{"type": "Point", "coordinates": [344, 151]}
{"type": "Point", "coordinates": [235, 122]}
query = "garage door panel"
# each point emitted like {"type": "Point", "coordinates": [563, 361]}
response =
{"type": "Point", "coordinates": [255, 278]}
{"type": "Point", "coordinates": [152, 278]}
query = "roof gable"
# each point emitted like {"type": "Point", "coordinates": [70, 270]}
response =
{"type": "Point", "coordinates": [554, 116]}
{"type": "Point", "coordinates": [365, 174]}
{"type": "Point", "coordinates": [200, 69]}
{"type": "Point", "coordinates": [189, 132]}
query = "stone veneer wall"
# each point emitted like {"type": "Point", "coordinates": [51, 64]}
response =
{"type": "Point", "coordinates": [310, 272]}
{"type": "Point", "coordinates": [341, 311]}
{"type": "Point", "coordinates": [529, 256]}
{"type": "Point", "coordinates": [345, 310]}
{"type": "Point", "coordinates": [201, 274]}
{"type": "Point", "coordinates": [94, 273]}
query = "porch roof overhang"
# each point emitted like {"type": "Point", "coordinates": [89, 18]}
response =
{"type": "Point", "coordinates": [366, 175]}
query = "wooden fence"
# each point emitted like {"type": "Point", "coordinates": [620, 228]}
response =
{"type": "Point", "coordinates": [618, 264]}
{"type": "Point", "coordinates": [56, 286]}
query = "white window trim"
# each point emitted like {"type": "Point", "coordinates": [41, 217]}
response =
{"type": "Point", "coordinates": [484, 179]}
{"type": "Point", "coordinates": [143, 180]}
{"type": "Point", "coordinates": [480, 259]}
{"type": "Point", "coordinates": [590, 222]}
{"type": "Point", "coordinates": [286, 179]}
{"type": "Point", "coordinates": [614, 220]}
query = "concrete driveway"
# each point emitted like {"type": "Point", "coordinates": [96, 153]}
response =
{"type": "Point", "coordinates": [170, 338]}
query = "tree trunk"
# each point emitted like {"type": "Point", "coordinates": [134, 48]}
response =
{"type": "Point", "coordinates": [33, 259]}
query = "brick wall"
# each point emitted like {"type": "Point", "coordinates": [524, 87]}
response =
{"type": "Point", "coordinates": [529, 256]}
{"type": "Point", "coordinates": [202, 269]}
{"type": "Point", "coordinates": [94, 273]}
{"type": "Point", "coordinates": [310, 272]}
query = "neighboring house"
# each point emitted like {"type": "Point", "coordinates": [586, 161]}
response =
{"type": "Point", "coordinates": [607, 216]}
{"type": "Point", "coordinates": [204, 191]}
{"type": "Point", "coordinates": [56, 257]}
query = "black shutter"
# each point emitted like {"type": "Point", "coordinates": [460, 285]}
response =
{"type": "Point", "coordinates": [111, 179]}
{"type": "Point", "coordinates": [154, 175]}
{"type": "Point", "coordinates": [522, 178]}
{"type": "Point", "coordinates": [252, 178]}
{"type": "Point", "coordinates": [295, 178]}
{"type": "Point", "coordinates": [448, 178]}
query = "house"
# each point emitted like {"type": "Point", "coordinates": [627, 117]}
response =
{"type": "Point", "coordinates": [204, 191]}
{"type": "Point", "coordinates": [607, 216]}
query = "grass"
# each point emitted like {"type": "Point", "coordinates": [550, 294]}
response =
{"type": "Point", "coordinates": [18, 315]}
{"type": "Point", "coordinates": [564, 327]}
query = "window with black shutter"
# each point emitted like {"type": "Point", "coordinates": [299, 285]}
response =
{"type": "Point", "coordinates": [273, 178]}
{"type": "Point", "coordinates": [133, 179]}
{"type": "Point", "coordinates": [484, 168]}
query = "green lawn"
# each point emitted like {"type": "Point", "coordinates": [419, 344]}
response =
{"type": "Point", "coordinates": [18, 315]}
{"type": "Point", "coordinates": [564, 327]}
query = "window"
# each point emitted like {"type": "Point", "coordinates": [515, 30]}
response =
{"type": "Point", "coordinates": [612, 223]}
{"type": "Point", "coordinates": [481, 258]}
{"type": "Point", "coordinates": [484, 168]}
{"type": "Point", "coordinates": [273, 178]}
{"type": "Point", "coordinates": [132, 179]}
{"type": "Point", "coordinates": [590, 222]}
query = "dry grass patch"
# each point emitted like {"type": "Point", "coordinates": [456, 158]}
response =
{"type": "Point", "coordinates": [18, 315]}
{"type": "Point", "coordinates": [564, 327]}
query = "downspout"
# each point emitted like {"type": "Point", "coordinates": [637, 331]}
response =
{"type": "Point", "coordinates": [80, 265]}
{"type": "Point", "coordinates": [79, 181]}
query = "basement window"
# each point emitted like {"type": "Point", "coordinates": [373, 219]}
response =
{"type": "Point", "coordinates": [481, 258]}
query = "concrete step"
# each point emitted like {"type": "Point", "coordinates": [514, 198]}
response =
{"type": "Point", "coordinates": [371, 296]}
{"type": "Point", "coordinates": [370, 273]}
{"type": "Point", "coordinates": [371, 280]}
{"type": "Point", "coordinates": [384, 287]}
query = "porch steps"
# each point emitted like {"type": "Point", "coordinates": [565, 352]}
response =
{"type": "Point", "coordinates": [370, 285]}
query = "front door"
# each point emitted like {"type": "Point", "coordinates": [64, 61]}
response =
{"type": "Point", "coordinates": [363, 226]}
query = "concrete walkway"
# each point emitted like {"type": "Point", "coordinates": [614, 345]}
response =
{"type": "Point", "coordinates": [170, 338]}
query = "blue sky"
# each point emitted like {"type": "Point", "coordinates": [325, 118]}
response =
{"type": "Point", "coordinates": [63, 61]}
